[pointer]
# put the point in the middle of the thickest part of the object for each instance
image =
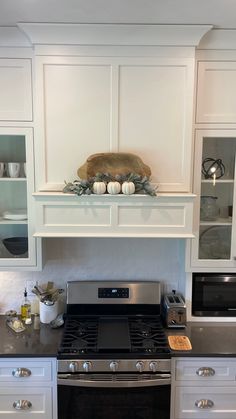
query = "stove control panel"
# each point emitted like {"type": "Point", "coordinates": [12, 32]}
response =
{"type": "Point", "coordinates": [114, 365]}
{"type": "Point", "coordinates": [113, 292]}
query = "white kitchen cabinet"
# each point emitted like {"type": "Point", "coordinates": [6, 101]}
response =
{"type": "Point", "coordinates": [203, 388]}
{"type": "Point", "coordinates": [216, 102]}
{"type": "Point", "coordinates": [16, 203]}
{"type": "Point", "coordinates": [214, 245]}
{"type": "Point", "coordinates": [28, 387]}
{"type": "Point", "coordinates": [135, 104]}
{"type": "Point", "coordinates": [16, 89]}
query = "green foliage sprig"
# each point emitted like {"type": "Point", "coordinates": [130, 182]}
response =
{"type": "Point", "coordinates": [141, 183]}
{"type": "Point", "coordinates": [79, 187]}
{"type": "Point", "coordinates": [85, 186]}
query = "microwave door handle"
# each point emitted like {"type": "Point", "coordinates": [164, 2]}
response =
{"type": "Point", "coordinates": [165, 379]}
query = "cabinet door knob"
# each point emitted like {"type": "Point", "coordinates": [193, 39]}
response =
{"type": "Point", "coordinates": [204, 404]}
{"type": "Point", "coordinates": [22, 405]}
{"type": "Point", "coordinates": [21, 372]}
{"type": "Point", "coordinates": [205, 372]}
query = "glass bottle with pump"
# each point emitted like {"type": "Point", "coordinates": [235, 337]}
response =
{"type": "Point", "coordinates": [26, 309]}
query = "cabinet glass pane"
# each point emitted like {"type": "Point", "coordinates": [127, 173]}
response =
{"type": "Point", "coordinates": [13, 197]}
{"type": "Point", "coordinates": [217, 194]}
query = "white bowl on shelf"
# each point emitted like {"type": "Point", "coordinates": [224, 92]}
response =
{"type": "Point", "coordinates": [15, 215]}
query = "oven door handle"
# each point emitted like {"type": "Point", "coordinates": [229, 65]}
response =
{"type": "Point", "coordinates": [70, 380]}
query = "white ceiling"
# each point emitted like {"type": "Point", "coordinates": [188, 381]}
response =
{"type": "Point", "coordinates": [219, 13]}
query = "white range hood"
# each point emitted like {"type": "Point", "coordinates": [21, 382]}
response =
{"type": "Point", "coordinates": [111, 88]}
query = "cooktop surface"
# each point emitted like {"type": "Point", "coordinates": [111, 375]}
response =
{"type": "Point", "coordinates": [104, 335]}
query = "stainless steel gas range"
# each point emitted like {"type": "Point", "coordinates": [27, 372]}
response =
{"type": "Point", "coordinates": [114, 358]}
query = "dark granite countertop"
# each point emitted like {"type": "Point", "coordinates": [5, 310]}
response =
{"type": "Point", "coordinates": [207, 339]}
{"type": "Point", "coordinates": [31, 343]}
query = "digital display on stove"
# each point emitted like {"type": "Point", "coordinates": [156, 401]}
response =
{"type": "Point", "coordinates": [113, 292]}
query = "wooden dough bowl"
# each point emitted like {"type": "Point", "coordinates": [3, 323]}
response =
{"type": "Point", "coordinates": [114, 164]}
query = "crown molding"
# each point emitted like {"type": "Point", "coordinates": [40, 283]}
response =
{"type": "Point", "coordinates": [219, 39]}
{"type": "Point", "coordinates": [12, 36]}
{"type": "Point", "coordinates": [113, 34]}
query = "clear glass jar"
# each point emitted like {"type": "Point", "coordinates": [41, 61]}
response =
{"type": "Point", "coordinates": [209, 210]}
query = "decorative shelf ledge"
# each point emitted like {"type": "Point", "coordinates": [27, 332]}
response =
{"type": "Point", "coordinates": [69, 215]}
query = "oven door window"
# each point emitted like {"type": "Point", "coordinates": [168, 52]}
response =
{"type": "Point", "coordinates": [117, 403]}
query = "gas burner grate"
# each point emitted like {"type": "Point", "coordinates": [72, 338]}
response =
{"type": "Point", "coordinates": [147, 336]}
{"type": "Point", "coordinates": [80, 336]}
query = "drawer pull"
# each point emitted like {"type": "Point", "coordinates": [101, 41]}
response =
{"type": "Point", "coordinates": [205, 372]}
{"type": "Point", "coordinates": [204, 404]}
{"type": "Point", "coordinates": [21, 372]}
{"type": "Point", "coordinates": [22, 405]}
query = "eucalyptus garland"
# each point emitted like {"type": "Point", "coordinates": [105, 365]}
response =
{"type": "Point", "coordinates": [85, 186]}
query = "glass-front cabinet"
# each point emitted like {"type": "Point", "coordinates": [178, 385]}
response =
{"type": "Point", "coordinates": [17, 244]}
{"type": "Point", "coordinates": [214, 244]}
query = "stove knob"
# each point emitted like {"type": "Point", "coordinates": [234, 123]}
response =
{"type": "Point", "coordinates": [140, 366]}
{"type": "Point", "coordinates": [153, 366]}
{"type": "Point", "coordinates": [114, 366]}
{"type": "Point", "coordinates": [73, 366]}
{"type": "Point", "coordinates": [87, 366]}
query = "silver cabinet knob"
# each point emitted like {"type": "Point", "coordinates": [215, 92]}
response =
{"type": "Point", "coordinates": [21, 372]}
{"type": "Point", "coordinates": [204, 404]}
{"type": "Point", "coordinates": [140, 366]}
{"type": "Point", "coordinates": [153, 366]}
{"type": "Point", "coordinates": [22, 405]}
{"type": "Point", "coordinates": [73, 366]}
{"type": "Point", "coordinates": [87, 366]}
{"type": "Point", "coordinates": [114, 366]}
{"type": "Point", "coordinates": [205, 372]}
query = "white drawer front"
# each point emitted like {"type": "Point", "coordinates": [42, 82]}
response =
{"type": "Point", "coordinates": [38, 400]}
{"type": "Point", "coordinates": [20, 371]}
{"type": "Point", "coordinates": [204, 370]}
{"type": "Point", "coordinates": [221, 399]}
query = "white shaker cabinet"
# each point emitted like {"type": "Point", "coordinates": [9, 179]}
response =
{"type": "Point", "coordinates": [216, 101]}
{"type": "Point", "coordinates": [87, 105]}
{"type": "Point", "coordinates": [16, 89]}
{"type": "Point", "coordinates": [203, 388]}
{"type": "Point", "coordinates": [28, 388]}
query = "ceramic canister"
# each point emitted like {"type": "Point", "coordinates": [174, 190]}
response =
{"type": "Point", "coordinates": [47, 313]}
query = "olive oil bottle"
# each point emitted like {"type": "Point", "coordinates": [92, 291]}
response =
{"type": "Point", "coordinates": [26, 309]}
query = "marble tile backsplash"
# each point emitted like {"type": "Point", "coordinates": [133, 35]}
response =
{"type": "Point", "coordinates": [100, 258]}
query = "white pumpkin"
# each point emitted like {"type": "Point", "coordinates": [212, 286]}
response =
{"type": "Point", "coordinates": [99, 188]}
{"type": "Point", "coordinates": [128, 188]}
{"type": "Point", "coordinates": [113, 188]}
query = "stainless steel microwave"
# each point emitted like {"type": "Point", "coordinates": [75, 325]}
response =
{"type": "Point", "coordinates": [214, 294]}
